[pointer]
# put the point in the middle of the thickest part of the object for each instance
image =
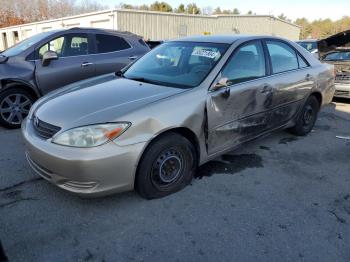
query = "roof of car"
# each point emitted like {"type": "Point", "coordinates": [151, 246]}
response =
{"type": "Point", "coordinates": [95, 30]}
{"type": "Point", "coordinates": [224, 39]}
{"type": "Point", "coordinates": [307, 40]}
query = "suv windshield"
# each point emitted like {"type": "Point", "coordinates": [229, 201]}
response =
{"type": "Point", "coordinates": [309, 46]}
{"type": "Point", "coordinates": [337, 56]}
{"type": "Point", "coordinates": [23, 45]}
{"type": "Point", "coordinates": [177, 64]}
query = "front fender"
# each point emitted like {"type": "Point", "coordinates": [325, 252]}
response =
{"type": "Point", "coordinates": [12, 82]}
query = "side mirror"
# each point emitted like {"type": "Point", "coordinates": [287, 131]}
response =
{"type": "Point", "coordinates": [48, 56]}
{"type": "Point", "coordinates": [220, 84]}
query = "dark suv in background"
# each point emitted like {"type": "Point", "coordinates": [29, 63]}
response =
{"type": "Point", "coordinates": [50, 60]}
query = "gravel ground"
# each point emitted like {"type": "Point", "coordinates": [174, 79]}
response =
{"type": "Point", "coordinates": [281, 198]}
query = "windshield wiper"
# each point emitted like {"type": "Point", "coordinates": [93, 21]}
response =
{"type": "Point", "coordinates": [156, 82]}
{"type": "Point", "coordinates": [144, 80]}
{"type": "Point", "coordinates": [120, 73]}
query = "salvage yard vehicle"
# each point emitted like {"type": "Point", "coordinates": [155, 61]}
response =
{"type": "Point", "coordinates": [310, 45]}
{"type": "Point", "coordinates": [184, 103]}
{"type": "Point", "coordinates": [336, 50]}
{"type": "Point", "coordinates": [53, 59]}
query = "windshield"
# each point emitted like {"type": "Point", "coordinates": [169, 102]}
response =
{"type": "Point", "coordinates": [177, 64]}
{"type": "Point", "coordinates": [23, 45]}
{"type": "Point", "coordinates": [337, 56]}
{"type": "Point", "coordinates": [309, 46]}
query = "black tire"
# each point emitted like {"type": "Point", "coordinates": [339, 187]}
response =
{"type": "Point", "coordinates": [167, 166]}
{"type": "Point", "coordinates": [19, 108]}
{"type": "Point", "coordinates": [307, 117]}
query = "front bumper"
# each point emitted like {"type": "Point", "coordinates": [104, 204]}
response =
{"type": "Point", "coordinates": [96, 171]}
{"type": "Point", "coordinates": [342, 90]}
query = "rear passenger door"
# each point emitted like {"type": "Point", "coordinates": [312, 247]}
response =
{"type": "Point", "coordinates": [112, 53]}
{"type": "Point", "coordinates": [291, 79]}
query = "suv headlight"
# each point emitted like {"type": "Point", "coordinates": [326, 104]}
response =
{"type": "Point", "coordinates": [90, 136]}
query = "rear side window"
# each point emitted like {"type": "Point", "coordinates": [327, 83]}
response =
{"type": "Point", "coordinates": [302, 62]}
{"type": "Point", "coordinates": [283, 57]}
{"type": "Point", "coordinates": [247, 63]}
{"type": "Point", "coordinates": [110, 43]}
{"type": "Point", "coordinates": [142, 42]}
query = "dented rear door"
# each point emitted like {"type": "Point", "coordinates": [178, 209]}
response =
{"type": "Point", "coordinates": [291, 78]}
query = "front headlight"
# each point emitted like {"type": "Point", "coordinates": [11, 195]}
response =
{"type": "Point", "coordinates": [90, 136]}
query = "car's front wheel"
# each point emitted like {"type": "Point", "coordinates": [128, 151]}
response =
{"type": "Point", "coordinates": [307, 117]}
{"type": "Point", "coordinates": [15, 104]}
{"type": "Point", "coordinates": [166, 166]}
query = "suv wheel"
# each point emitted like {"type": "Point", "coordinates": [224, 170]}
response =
{"type": "Point", "coordinates": [166, 166]}
{"type": "Point", "coordinates": [14, 106]}
{"type": "Point", "coordinates": [307, 117]}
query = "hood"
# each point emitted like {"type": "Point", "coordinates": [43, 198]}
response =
{"type": "Point", "coordinates": [98, 100]}
{"type": "Point", "coordinates": [338, 41]}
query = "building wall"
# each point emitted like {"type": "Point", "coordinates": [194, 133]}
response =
{"type": "Point", "coordinates": [156, 25]}
{"type": "Point", "coordinates": [159, 26]}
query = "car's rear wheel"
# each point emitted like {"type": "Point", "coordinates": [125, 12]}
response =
{"type": "Point", "coordinates": [166, 166]}
{"type": "Point", "coordinates": [15, 104]}
{"type": "Point", "coordinates": [307, 117]}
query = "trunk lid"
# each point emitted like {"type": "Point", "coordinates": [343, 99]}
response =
{"type": "Point", "coordinates": [340, 41]}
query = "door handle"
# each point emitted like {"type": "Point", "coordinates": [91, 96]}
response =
{"type": "Point", "coordinates": [132, 57]}
{"type": "Point", "coordinates": [85, 64]}
{"type": "Point", "coordinates": [266, 89]}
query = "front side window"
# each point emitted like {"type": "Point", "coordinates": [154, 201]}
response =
{"type": "Point", "coordinates": [110, 43]}
{"type": "Point", "coordinates": [283, 57]}
{"type": "Point", "coordinates": [67, 45]}
{"type": "Point", "coordinates": [247, 63]}
{"type": "Point", "coordinates": [54, 45]}
{"type": "Point", "coordinates": [177, 64]}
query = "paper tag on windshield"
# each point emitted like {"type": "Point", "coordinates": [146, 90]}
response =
{"type": "Point", "coordinates": [205, 53]}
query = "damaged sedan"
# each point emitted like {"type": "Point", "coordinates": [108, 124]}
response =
{"type": "Point", "coordinates": [149, 126]}
{"type": "Point", "coordinates": [336, 50]}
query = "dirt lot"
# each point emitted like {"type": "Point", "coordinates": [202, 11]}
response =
{"type": "Point", "coordinates": [282, 198]}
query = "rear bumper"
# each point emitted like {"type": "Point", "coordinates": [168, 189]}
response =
{"type": "Point", "coordinates": [91, 172]}
{"type": "Point", "coordinates": [342, 90]}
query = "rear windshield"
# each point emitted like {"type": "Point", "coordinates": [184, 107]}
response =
{"type": "Point", "coordinates": [337, 56]}
{"type": "Point", "coordinates": [177, 64]}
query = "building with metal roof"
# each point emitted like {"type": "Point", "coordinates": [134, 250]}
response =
{"type": "Point", "coordinates": [157, 25]}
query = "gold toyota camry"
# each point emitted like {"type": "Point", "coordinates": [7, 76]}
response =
{"type": "Point", "coordinates": [182, 104]}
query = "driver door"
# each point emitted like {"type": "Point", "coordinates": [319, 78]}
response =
{"type": "Point", "coordinates": [239, 106]}
{"type": "Point", "coordinates": [74, 61]}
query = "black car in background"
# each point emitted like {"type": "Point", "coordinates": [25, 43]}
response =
{"type": "Point", "coordinates": [50, 60]}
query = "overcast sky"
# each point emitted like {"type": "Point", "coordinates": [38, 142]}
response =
{"type": "Point", "coordinates": [311, 9]}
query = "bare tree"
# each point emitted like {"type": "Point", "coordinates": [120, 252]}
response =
{"type": "Point", "coordinates": [14, 12]}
